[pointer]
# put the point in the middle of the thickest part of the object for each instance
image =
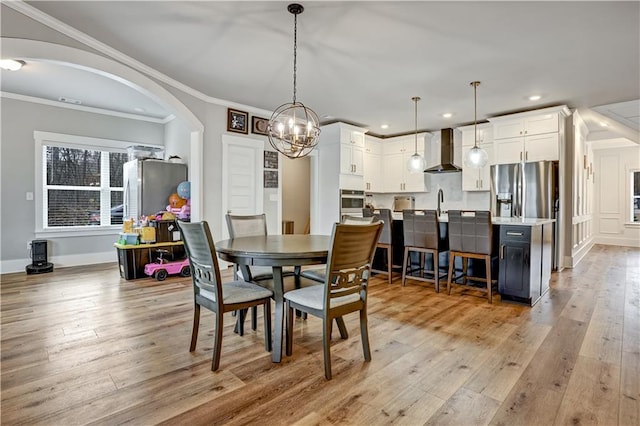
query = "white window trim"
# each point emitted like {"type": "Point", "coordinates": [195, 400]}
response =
{"type": "Point", "coordinates": [629, 199]}
{"type": "Point", "coordinates": [81, 142]}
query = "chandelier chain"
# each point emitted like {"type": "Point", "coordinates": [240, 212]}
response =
{"type": "Point", "coordinates": [295, 55]}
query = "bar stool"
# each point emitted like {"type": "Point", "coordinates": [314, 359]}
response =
{"type": "Point", "coordinates": [422, 235]}
{"type": "Point", "coordinates": [470, 237]}
{"type": "Point", "coordinates": [385, 241]}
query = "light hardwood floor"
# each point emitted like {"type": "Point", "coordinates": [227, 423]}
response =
{"type": "Point", "coordinates": [80, 345]}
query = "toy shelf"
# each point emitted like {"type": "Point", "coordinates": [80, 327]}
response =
{"type": "Point", "coordinates": [132, 258]}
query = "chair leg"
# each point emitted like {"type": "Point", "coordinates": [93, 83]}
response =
{"type": "Point", "coordinates": [404, 265]}
{"type": "Point", "coordinates": [452, 258]}
{"type": "Point", "coordinates": [239, 328]}
{"type": "Point", "coordinates": [254, 318]}
{"type": "Point", "coordinates": [364, 334]}
{"type": "Point", "coordinates": [436, 271]}
{"type": "Point", "coordinates": [326, 337]}
{"type": "Point", "coordinates": [421, 264]}
{"type": "Point", "coordinates": [196, 325]}
{"type": "Point", "coordinates": [267, 325]}
{"type": "Point", "coordinates": [344, 334]}
{"type": "Point", "coordinates": [465, 266]}
{"type": "Point", "coordinates": [217, 342]}
{"type": "Point", "coordinates": [389, 263]}
{"type": "Point", "coordinates": [487, 262]}
{"type": "Point", "coordinates": [289, 328]}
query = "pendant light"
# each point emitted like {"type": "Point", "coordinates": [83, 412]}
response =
{"type": "Point", "coordinates": [293, 128]}
{"type": "Point", "coordinates": [476, 156]}
{"type": "Point", "coordinates": [416, 163]}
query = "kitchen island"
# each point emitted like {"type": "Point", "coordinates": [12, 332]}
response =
{"type": "Point", "coordinates": [523, 255]}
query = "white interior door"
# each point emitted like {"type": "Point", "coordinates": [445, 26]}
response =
{"type": "Point", "coordinates": [242, 176]}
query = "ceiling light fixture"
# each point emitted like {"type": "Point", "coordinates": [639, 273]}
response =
{"type": "Point", "coordinates": [476, 156]}
{"type": "Point", "coordinates": [603, 124]}
{"type": "Point", "coordinates": [447, 115]}
{"type": "Point", "coordinates": [535, 98]}
{"type": "Point", "coordinates": [384, 126]}
{"type": "Point", "coordinates": [11, 64]}
{"type": "Point", "coordinates": [416, 163]}
{"type": "Point", "coordinates": [293, 128]}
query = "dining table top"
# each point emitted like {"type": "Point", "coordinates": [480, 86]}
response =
{"type": "Point", "coordinates": [273, 250]}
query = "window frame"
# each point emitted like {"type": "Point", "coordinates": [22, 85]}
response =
{"type": "Point", "coordinates": [43, 139]}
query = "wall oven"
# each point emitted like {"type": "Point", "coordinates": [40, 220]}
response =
{"type": "Point", "coordinates": [351, 202]}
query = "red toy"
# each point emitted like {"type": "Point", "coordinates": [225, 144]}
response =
{"type": "Point", "coordinates": [161, 268]}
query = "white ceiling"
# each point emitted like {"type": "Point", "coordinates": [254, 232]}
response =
{"type": "Point", "coordinates": [362, 62]}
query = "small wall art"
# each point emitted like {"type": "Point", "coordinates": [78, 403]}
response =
{"type": "Point", "coordinates": [237, 121]}
{"type": "Point", "coordinates": [270, 178]}
{"type": "Point", "coordinates": [259, 125]}
{"type": "Point", "coordinates": [270, 160]}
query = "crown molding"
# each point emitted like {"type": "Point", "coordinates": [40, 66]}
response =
{"type": "Point", "coordinates": [84, 108]}
{"type": "Point", "coordinates": [59, 26]}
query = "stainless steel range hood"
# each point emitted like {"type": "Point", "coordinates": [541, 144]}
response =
{"type": "Point", "coordinates": [446, 154]}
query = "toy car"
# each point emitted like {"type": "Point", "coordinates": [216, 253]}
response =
{"type": "Point", "coordinates": [161, 268]}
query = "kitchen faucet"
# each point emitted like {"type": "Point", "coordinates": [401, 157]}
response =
{"type": "Point", "coordinates": [440, 201]}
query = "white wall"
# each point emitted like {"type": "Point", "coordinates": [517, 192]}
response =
{"type": "Point", "coordinates": [612, 196]}
{"type": "Point", "coordinates": [295, 191]}
{"type": "Point", "coordinates": [17, 172]}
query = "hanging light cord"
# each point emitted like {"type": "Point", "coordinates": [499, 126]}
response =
{"type": "Point", "coordinates": [295, 55]}
{"type": "Point", "coordinates": [475, 114]}
{"type": "Point", "coordinates": [415, 143]}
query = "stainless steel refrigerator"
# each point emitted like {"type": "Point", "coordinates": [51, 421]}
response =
{"type": "Point", "coordinates": [527, 190]}
{"type": "Point", "coordinates": [148, 185]}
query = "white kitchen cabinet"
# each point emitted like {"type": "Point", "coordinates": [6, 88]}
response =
{"type": "Point", "coordinates": [528, 149]}
{"type": "Point", "coordinates": [396, 154]}
{"type": "Point", "coordinates": [373, 165]}
{"type": "Point", "coordinates": [530, 136]}
{"type": "Point", "coordinates": [473, 178]}
{"type": "Point", "coordinates": [526, 126]}
{"type": "Point", "coordinates": [351, 152]}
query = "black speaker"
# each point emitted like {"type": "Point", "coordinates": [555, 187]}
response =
{"type": "Point", "coordinates": [39, 262]}
{"type": "Point", "coordinates": [38, 252]}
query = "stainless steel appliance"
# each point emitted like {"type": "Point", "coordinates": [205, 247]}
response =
{"type": "Point", "coordinates": [404, 202]}
{"type": "Point", "coordinates": [351, 202]}
{"type": "Point", "coordinates": [533, 192]}
{"type": "Point", "coordinates": [148, 185]}
{"type": "Point", "coordinates": [445, 165]}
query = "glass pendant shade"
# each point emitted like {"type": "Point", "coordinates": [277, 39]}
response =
{"type": "Point", "coordinates": [293, 128]}
{"type": "Point", "coordinates": [476, 156]}
{"type": "Point", "coordinates": [416, 163]}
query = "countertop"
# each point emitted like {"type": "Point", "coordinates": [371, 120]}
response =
{"type": "Point", "coordinates": [496, 220]}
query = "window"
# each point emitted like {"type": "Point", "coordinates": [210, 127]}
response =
{"type": "Point", "coordinates": [635, 196]}
{"type": "Point", "coordinates": [81, 183]}
{"type": "Point", "coordinates": [83, 186]}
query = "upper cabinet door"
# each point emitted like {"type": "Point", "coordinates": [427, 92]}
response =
{"type": "Point", "coordinates": [542, 148]}
{"type": "Point", "coordinates": [540, 124]}
{"type": "Point", "coordinates": [509, 128]}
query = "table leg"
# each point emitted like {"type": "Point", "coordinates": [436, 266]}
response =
{"type": "Point", "coordinates": [278, 296]}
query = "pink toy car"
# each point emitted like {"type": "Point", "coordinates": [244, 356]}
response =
{"type": "Point", "coordinates": [160, 269]}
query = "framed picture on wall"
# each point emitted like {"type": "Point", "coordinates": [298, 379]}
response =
{"type": "Point", "coordinates": [237, 121]}
{"type": "Point", "coordinates": [270, 160]}
{"type": "Point", "coordinates": [259, 125]}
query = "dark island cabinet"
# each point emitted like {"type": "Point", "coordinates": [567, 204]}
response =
{"type": "Point", "coordinates": [521, 263]}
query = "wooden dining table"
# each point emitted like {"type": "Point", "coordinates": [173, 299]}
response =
{"type": "Point", "coordinates": [276, 251]}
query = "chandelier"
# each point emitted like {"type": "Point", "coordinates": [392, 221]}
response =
{"type": "Point", "coordinates": [416, 163]}
{"type": "Point", "coordinates": [476, 156]}
{"type": "Point", "coordinates": [293, 128]}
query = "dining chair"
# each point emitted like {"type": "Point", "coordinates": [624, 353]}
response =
{"type": "Point", "coordinates": [210, 292]}
{"type": "Point", "coordinates": [386, 238]}
{"type": "Point", "coordinates": [345, 287]}
{"type": "Point", "coordinates": [250, 226]}
{"type": "Point", "coordinates": [421, 231]}
{"type": "Point", "coordinates": [318, 273]}
{"type": "Point", "coordinates": [470, 237]}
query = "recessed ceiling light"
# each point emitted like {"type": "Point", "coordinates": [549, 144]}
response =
{"type": "Point", "coordinates": [535, 98]}
{"type": "Point", "coordinates": [69, 100]}
{"type": "Point", "coordinates": [138, 109]}
{"type": "Point", "coordinates": [603, 124]}
{"type": "Point", "coordinates": [447, 115]}
{"type": "Point", "coordinates": [11, 64]}
{"type": "Point", "coordinates": [384, 126]}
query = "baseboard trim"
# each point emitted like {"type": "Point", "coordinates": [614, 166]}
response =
{"type": "Point", "coordinates": [18, 265]}
{"type": "Point", "coordinates": [581, 253]}
{"type": "Point", "coordinates": [617, 241]}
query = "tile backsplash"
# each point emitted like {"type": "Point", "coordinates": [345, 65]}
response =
{"type": "Point", "coordinates": [454, 197]}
